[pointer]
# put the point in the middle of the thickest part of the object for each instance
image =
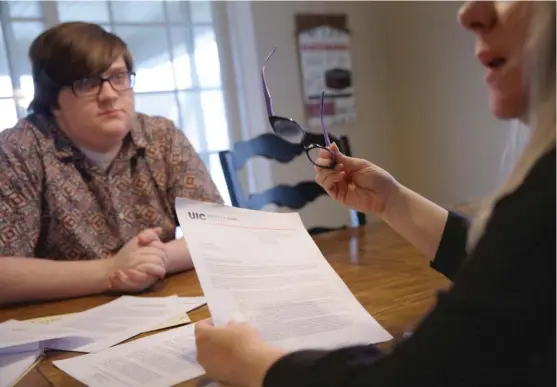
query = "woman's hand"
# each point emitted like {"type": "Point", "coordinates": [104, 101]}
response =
{"type": "Point", "coordinates": [234, 354]}
{"type": "Point", "coordinates": [356, 183]}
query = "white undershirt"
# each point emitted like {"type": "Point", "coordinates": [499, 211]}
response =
{"type": "Point", "coordinates": [101, 159]}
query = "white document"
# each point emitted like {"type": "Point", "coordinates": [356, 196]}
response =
{"type": "Point", "coordinates": [265, 268]}
{"type": "Point", "coordinates": [116, 321]}
{"type": "Point", "coordinates": [189, 304]}
{"type": "Point", "coordinates": [192, 303]}
{"type": "Point", "coordinates": [159, 360]}
{"type": "Point", "coordinates": [19, 336]}
{"type": "Point", "coordinates": [13, 366]}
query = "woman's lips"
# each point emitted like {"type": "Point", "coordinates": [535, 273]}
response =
{"type": "Point", "coordinates": [494, 70]}
{"type": "Point", "coordinates": [493, 63]}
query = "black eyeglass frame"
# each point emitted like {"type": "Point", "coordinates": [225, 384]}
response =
{"type": "Point", "coordinates": [102, 80]}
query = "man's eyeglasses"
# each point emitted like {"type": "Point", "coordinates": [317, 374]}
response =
{"type": "Point", "coordinates": [91, 86]}
{"type": "Point", "coordinates": [291, 131]}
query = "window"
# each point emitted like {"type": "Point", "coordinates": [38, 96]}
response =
{"type": "Point", "coordinates": [175, 53]}
{"type": "Point", "coordinates": [20, 23]}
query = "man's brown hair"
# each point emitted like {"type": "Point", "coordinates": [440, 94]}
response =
{"type": "Point", "coordinates": [69, 52]}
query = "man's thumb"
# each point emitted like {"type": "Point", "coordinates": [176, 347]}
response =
{"type": "Point", "coordinates": [149, 235]}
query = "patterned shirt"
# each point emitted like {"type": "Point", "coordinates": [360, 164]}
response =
{"type": "Point", "coordinates": [57, 204]}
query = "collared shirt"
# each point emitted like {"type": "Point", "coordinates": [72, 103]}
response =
{"type": "Point", "coordinates": [57, 204]}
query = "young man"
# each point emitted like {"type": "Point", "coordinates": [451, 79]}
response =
{"type": "Point", "coordinates": [88, 186]}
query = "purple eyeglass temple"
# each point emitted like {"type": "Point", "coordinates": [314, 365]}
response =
{"type": "Point", "coordinates": [322, 114]}
{"type": "Point", "coordinates": [268, 100]}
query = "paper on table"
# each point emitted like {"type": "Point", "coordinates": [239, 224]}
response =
{"type": "Point", "coordinates": [173, 322]}
{"type": "Point", "coordinates": [19, 336]}
{"type": "Point", "coordinates": [160, 360]}
{"type": "Point", "coordinates": [189, 304]}
{"type": "Point", "coordinates": [192, 303]}
{"type": "Point", "coordinates": [264, 268]}
{"type": "Point", "coordinates": [48, 319]}
{"type": "Point", "coordinates": [14, 365]}
{"type": "Point", "coordinates": [22, 348]}
{"type": "Point", "coordinates": [117, 321]}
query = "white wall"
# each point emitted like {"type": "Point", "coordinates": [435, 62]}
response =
{"type": "Point", "coordinates": [448, 145]}
{"type": "Point", "coordinates": [421, 105]}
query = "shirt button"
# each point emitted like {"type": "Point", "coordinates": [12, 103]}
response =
{"type": "Point", "coordinates": [121, 216]}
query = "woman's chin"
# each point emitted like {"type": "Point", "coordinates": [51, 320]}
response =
{"type": "Point", "coordinates": [506, 108]}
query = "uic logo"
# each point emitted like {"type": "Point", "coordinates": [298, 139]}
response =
{"type": "Point", "coordinates": [197, 215]}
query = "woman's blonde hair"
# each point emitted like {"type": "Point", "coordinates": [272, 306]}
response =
{"type": "Point", "coordinates": [541, 79]}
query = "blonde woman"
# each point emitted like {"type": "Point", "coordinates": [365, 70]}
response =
{"type": "Point", "coordinates": [496, 325]}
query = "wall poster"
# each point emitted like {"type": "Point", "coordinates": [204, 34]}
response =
{"type": "Point", "coordinates": [324, 44]}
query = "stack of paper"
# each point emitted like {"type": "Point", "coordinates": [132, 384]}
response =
{"type": "Point", "coordinates": [21, 345]}
{"type": "Point", "coordinates": [188, 304]}
{"type": "Point", "coordinates": [21, 336]}
{"type": "Point", "coordinates": [22, 342]}
{"type": "Point", "coordinates": [160, 360]}
{"type": "Point", "coordinates": [264, 268]}
{"type": "Point", "coordinates": [116, 321]}
{"type": "Point", "coordinates": [14, 365]}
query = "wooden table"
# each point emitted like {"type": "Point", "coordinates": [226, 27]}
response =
{"type": "Point", "coordinates": [390, 278]}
